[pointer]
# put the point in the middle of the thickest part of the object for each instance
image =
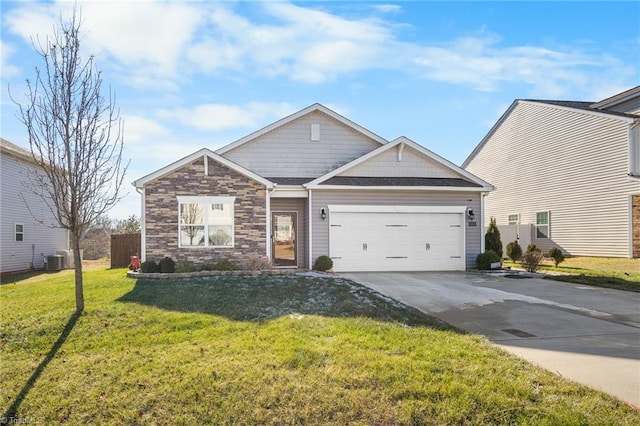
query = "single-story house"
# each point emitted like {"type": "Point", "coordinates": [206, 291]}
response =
{"type": "Point", "coordinates": [29, 234]}
{"type": "Point", "coordinates": [567, 174]}
{"type": "Point", "coordinates": [311, 184]}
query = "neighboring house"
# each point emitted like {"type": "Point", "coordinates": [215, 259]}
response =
{"type": "Point", "coordinates": [567, 174]}
{"type": "Point", "coordinates": [313, 184]}
{"type": "Point", "coordinates": [28, 235]}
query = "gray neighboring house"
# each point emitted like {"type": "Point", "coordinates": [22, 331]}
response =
{"type": "Point", "coordinates": [567, 174]}
{"type": "Point", "coordinates": [312, 184]}
{"type": "Point", "coordinates": [28, 235]}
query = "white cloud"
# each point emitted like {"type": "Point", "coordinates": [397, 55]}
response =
{"type": "Point", "coordinates": [140, 129]}
{"type": "Point", "coordinates": [217, 117]}
{"type": "Point", "coordinates": [7, 70]}
{"type": "Point", "coordinates": [387, 8]}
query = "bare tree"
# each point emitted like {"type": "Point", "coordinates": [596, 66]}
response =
{"type": "Point", "coordinates": [75, 136]}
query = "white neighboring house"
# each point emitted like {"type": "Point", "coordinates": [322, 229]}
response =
{"type": "Point", "coordinates": [567, 174]}
{"type": "Point", "coordinates": [27, 235]}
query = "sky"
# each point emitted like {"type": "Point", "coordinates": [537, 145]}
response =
{"type": "Point", "coordinates": [189, 75]}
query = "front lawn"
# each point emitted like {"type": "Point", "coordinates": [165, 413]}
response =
{"type": "Point", "coordinates": [261, 350]}
{"type": "Point", "coordinates": [618, 273]}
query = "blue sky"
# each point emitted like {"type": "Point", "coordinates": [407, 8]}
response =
{"type": "Point", "coordinates": [189, 75]}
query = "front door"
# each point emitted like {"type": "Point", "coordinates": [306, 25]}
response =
{"type": "Point", "coordinates": [283, 237]}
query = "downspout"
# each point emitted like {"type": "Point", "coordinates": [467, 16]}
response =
{"type": "Point", "coordinates": [482, 195]}
{"type": "Point", "coordinates": [143, 227]}
{"type": "Point", "coordinates": [268, 220]}
{"type": "Point", "coordinates": [310, 229]}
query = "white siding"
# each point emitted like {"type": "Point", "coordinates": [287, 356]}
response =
{"type": "Point", "coordinates": [39, 240]}
{"type": "Point", "coordinates": [570, 163]}
{"type": "Point", "coordinates": [413, 164]}
{"type": "Point", "coordinates": [323, 198]}
{"type": "Point", "coordinates": [288, 151]}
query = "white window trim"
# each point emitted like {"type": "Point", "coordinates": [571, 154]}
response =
{"type": "Point", "coordinates": [509, 220]}
{"type": "Point", "coordinates": [548, 225]}
{"type": "Point", "coordinates": [206, 200]}
{"type": "Point", "coordinates": [15, 232]}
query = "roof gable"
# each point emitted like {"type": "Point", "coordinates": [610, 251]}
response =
{"type": "Point", "coordinates": [204, 152]}
{"type": "Point", "coordinates": [435, 170]}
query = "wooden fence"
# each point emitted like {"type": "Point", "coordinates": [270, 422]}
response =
{"type": "Point", "coordinates": [123, 246]}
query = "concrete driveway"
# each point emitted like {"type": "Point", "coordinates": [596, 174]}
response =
{"type": "Point", "coordinates": [587, 334]}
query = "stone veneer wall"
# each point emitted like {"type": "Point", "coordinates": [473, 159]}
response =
{"type": "Point", "coordinates": [636, 225]}
{"type": "Point", "coordinates": [161, 213]}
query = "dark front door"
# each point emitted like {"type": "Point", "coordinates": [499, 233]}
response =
{"type": "Point", "coordinates": [283, 236]}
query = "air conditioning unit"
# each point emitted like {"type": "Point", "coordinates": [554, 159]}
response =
{"type": "Point", "coordinates": [55, 263]}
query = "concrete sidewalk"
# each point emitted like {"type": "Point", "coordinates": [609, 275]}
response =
{"type": "Point", "coordinates": [587, 334]}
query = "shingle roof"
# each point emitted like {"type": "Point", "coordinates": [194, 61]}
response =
{"type": "Point", "coordinates": [289, 180]}
{"type": "Point", "coordinates": [398, 181]}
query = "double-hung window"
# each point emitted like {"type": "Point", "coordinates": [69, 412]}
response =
{"type": "Point", "coordinates": [514, 219]}
{"type": "Point", "coordinates": [19, 228]}
{"type": "Point", "coordinates": [542, 224]}
{"type": "Point", "coordinates": [206, 221]}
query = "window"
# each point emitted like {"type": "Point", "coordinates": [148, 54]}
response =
{"type": "Point", "coordinates": [206, 221]}
{"type": "Point", "coordinates": [542, 225]}
{"type": "Point", "coordinates": [19, 232]}
{"type": "Point", "coordinates": [514, 219]}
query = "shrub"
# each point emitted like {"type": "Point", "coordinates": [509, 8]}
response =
{"type": "Point", "coordinates": [514, 251]}
{"type": "Point", "coordinates": [223, 265]}
{"type": "Point", "coordinates": [257, 263]}
{"type": "Point", "coordinates": [484, 260]}
{"type": "Point", "coordinates": [556, 254]}
{"type": "Point", "coordinates": [532, 258]}
{"type": "Point", "coordinates": [323, 264]}
{"type": "Point", "coordinates": [149, 266]}
{"type": "Point", "coordinates": [492, 238]}
{"type": "Point", "coordinates": [186, 267]}
{"type": "Point", "coordinates": [167, 265]}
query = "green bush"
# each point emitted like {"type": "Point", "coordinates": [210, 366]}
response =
{"type": "Point", "coordinates": [167, 265]}
{"type": "Point", "coordinates": [492, 238]}
{"type": "Point", "coordinates": [323, 263]}
{"type": "Point", "coordinates": [149, 266]}
{"type": "Point", "coordinates": [223, 265]}
{"type": "Point", "coordinates": [514, 251]}
{"type": "Point", "coordinates": [532, 247]}
{"type": "Point", "coordinates": [556, 254]}
{"type": "Point", "coordinates": [186, 267]}
{"type": "Point", "coordinates": [484, 260]}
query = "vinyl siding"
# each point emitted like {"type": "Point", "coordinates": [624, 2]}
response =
{"type": "Point", "coordinates": [632, 106]}
{"type": "Point", "coordinates": [572, 164]}
{"type": "Point", "coordinates": [40, 240]}
{"type": "Point", "coordinates": [298, 205]}
{"type": "Point", "coordinates": [323, 198]}
{"type": "Point", "coordinates": [288, 151]}
{"type": "Point", "coordinates": [413, 164]}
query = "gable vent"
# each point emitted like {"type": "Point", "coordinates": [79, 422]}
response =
{"type": "Point", "coordinates": [315, 132]}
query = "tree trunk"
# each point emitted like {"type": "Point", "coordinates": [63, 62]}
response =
{"type": "Point", "coordinates": [78, 269]}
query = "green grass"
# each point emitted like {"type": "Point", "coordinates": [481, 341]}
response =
{"type": "Point", "coordinates": [617, 273]}
{"type": "Point", "coordinates": [253, 350]}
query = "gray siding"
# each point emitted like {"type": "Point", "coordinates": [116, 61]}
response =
{"type": "Point", "coordinates": [413, 164]}
{"type": "Point", "coordinates": [288, 151]}
{"type": "Point", "coordinates": [570, 163]}
{"type": "Point", "coordinates": [632, 106]}
{"type": "Point", "coordinates": [39, 240]}
{"type": "Point", "coordinates": [322, 198]}
{"type": "Point", "coordinates": [298, 205]}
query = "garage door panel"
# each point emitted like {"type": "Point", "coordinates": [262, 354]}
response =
{"type": "Point", "coordinates": [397, 241]}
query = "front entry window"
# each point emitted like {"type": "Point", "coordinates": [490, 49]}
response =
{"type": "Point", "coordinates": [206, 221]}
{"type": "Point", "coordinates": [284, 239]}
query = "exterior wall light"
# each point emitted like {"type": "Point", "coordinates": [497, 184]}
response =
{"type": "Point", "coordinates": [470, 213]}
{"type": "Point", "coordinates": [323, 213]}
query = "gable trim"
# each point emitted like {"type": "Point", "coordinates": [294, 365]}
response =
{"type": "Point", "coordinates": [400, 142]}
{"type": "Point", "coordinates": [284, 121]}
{"type": "Point", "coordinates": [206, 153]}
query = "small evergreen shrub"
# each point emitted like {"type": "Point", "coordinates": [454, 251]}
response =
{"type": "Point", "coordinates": [492, 238]}
{"type": "Point", "coordinates": [149, 266]}
{"type": "Point", "coordinates": [514, 251]}
{"type": "Point", "coordinates": [532, 258]}
{"type": "Point", "coordinates": [186, 267]}
{"type": "Point", "coordinates": [556, 254]}
{"type": "Point", "coordinates": [323, 264]}
{"type": "Point", "coordinates": [257, 263]}
{"type": "Point", "coordinates": [223, 265]}
{"type": "Point", "coordinates": [484, 260]}
{"type": "Point", "coordinates": [167, 265]}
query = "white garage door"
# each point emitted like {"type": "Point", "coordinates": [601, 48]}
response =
{"type": "Point", "coordinates": [397, 238]}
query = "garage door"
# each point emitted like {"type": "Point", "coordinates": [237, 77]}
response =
{"type": "Point", "coordinates": [397, 238]}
